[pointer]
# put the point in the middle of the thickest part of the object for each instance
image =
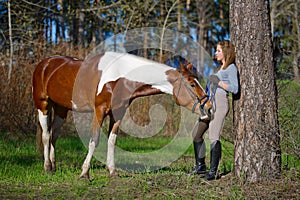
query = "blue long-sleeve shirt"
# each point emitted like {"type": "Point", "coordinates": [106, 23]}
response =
{"type": "Point", "coordinates": [230, 77]}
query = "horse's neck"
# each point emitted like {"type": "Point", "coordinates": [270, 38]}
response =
{"type": "Point", "coordinates": [133, 68]}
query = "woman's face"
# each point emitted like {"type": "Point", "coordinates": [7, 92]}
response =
{"type": "Point", "coordinates": [219, 54]}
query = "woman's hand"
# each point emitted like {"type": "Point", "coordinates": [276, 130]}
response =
{"type": "Point", "coordinates": [214, 79]}
{"type": "Point", "coordinates": [223, 85]}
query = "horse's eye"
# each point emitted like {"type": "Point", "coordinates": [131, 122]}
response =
{"type": "Point", "coordinates": [192, 85]}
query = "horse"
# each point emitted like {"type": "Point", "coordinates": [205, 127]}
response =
{"type": "Point", "coordinates": [111, 81]}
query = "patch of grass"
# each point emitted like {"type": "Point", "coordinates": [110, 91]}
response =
{"type": "Point", "coordinates": [142, 145]}
{"type": "Point", "coordinates": [22, 176]}
{"type": "Point", "coordinates": [289, 122]}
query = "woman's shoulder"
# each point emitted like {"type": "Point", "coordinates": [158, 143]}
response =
{"type": "Point", "coordinates": [232, 66]}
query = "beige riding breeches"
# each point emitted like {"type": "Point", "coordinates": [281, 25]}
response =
{"type": "Point", "coordinates": [216, 125]}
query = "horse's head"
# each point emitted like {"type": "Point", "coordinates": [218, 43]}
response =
{"type": "Point", "coordinates": [188, 92]}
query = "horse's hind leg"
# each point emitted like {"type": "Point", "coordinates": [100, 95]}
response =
{"type": "Point", "coordinates": [60, 114]}
{"type": "Point", "coordinates": [44, 122]}
{"type": "Point", "coordinates": [57, 123]}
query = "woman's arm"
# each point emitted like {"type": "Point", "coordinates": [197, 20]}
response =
{"type": "Point", "coordinates": [233, 85]}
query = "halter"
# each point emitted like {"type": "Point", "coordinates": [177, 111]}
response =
{"type": "Point", "coordinates": [192, 93]}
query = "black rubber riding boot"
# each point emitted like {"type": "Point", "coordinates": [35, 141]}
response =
{"type": "Point", "coordinates": [215, 156]}
{"type": "Point", "coordinates": [199, 150]}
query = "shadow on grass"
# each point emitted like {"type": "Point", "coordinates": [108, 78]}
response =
{"type": "Point", "coordinates": [21, 159]}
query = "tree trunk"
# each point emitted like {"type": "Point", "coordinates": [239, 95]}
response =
{"type": "Point", "coordinates": [60, 22]}
{"type": "Point", "coordinates": [257, 143]}
{"type": "Point", "coordinates": [179, 16]}
{"type": "Point", "coordinates": [50, 22]}
{"type": "Point", "coordinates": [201, 31]}
{"type": "Point", "coordinates": [81, 27]}
{"type": "Point", "coordinates": [10, 41]}
{"type": "Point", "coordinates": [296, 56]}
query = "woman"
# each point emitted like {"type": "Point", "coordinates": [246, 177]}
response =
{"type": "Point", "coordinates": [225, 81]}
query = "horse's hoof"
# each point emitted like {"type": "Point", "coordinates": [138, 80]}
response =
{"type": "Point", "coordinates": [53, 167]}
{"type": "Point", "coordinates": [113, 174]}
{"type": "Point", "coordinates": [47, 168]}
{"type": "Point", "coordinates": [84, 177]}
{"type": "Point", "coordinates": [49, 172]}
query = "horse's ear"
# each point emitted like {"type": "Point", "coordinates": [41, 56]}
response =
{"type": "Point", "coordinates": [182, 68]}
{"type": "Point", "coordinates": [190, 66]}
{"type": "Point", "coordinates": [186, 68]}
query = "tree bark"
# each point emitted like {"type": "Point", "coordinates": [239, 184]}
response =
{"type": "Point", "coordinates": [257, 143]}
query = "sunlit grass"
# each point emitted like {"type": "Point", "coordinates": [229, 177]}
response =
{"type": "Point", "coordinates": [23, 163]}
{"type": "Point", "coordinates": [22, 175]}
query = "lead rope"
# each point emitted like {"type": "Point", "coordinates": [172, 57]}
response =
{"type": "Point", "coordinates": [211, 94]}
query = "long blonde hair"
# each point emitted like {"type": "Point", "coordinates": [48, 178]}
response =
{"type": "Point", "coordinates": [228, 52]}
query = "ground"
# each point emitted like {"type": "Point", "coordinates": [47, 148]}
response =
{"type": "Point", "coordinates": [22, 177]}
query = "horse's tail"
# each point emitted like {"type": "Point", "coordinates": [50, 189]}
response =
{"type": "Point", "coordinates": [39, 139]}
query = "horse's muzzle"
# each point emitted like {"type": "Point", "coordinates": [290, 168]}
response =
{"type": "Point", "coordinates": [206, 112]}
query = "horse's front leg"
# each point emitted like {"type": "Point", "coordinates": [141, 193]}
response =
{"type": "Point", "coordinates": [110, 162]}
{"type": "Point", "coordinates": [93, 143]}
{"type": "Point", "coordinates": [43, 119]}
{"type": "Point", "coordinates": [87, 162]}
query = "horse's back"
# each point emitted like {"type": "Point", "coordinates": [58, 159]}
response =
{"type": "Point", "coordinates": [48, 66]}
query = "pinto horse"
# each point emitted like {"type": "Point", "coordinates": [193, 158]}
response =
{"type": "Point", "coordinates": [55, 77]}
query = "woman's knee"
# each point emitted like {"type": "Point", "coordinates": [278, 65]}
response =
{"type": "Point", "coordinates": [213, 138]}
{"type": "Point", "coordinates": [199, 130]}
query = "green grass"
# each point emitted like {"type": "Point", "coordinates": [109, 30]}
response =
{"type": "Point", "coordinates": [22, 176]}
{"type": "Point", "coordinates": [142, 145]}
{"type": "Point", "coordinates": [289, 121]}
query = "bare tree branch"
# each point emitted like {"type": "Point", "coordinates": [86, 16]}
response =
{"type": "Point", "coordinates": [37, 5]}
{"type": "Point", "coordinates": [163, 30]}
